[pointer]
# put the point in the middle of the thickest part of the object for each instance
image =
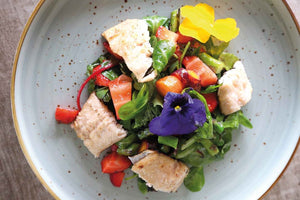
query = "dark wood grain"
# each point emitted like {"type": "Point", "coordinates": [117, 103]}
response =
{"type": "Point", "coordinates": [17, 181]}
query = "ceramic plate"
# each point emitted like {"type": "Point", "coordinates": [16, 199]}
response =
{"type": "Point", "coordinates": [63, 36]}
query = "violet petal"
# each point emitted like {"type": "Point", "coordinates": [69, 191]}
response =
{"type": "Point", "coordinates": [181, 115]}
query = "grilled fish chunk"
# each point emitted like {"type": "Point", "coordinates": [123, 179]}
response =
{"type": "Point", "coordinates": [236, 89]}
{"type": "Point", "coordinates": [160, 171]}
{"type": "Point", "coordinates": [97, 126]}
{"type": "Point", "coordinates": [130, 40]}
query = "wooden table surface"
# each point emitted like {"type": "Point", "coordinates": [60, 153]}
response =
{"type": "Point", "coordinates": [17, 181]}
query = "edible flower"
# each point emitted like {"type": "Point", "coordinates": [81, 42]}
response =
{"type": "Point", "coordinates": [199, 23]}
{"type": "Point", "coordinates": [180, 115]}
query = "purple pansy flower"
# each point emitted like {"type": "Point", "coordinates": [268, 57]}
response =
{"type": "Point", "coordinates": [180, 115]}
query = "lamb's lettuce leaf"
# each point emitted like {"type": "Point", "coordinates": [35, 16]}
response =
{"type": "Point", "coordinates": [154, 22]}
{"type": "Point", "coordinates": [162, 52]}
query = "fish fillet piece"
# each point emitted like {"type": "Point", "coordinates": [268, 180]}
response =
{"type": "Point", "coordinates": [236, 89]}
{"type": "Point", "coordinates": [160, 171]}
{"type": "Point", "coordinates": [97, 127]}
{"type": "Point", "coordinates": [130, 40]}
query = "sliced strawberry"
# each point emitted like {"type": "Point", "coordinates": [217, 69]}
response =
{"type": "Point", "coordinates": [207, 76]}
{"type": "Point", "coordinates": [164, 34]}
{"type": "Point", "coordinates": [211, 100]}
{"type": "Point", "coordinates": [101, 80]}
{"type": "Point", "coordinates": [120, 90]}
{"type": "Point", "coordinates": [114, 162]}
{"type": "Point", "coordinates": [182, 39]}
{"type": "Point", "coordinates": [117, 178]}
{"type": "Point", "coordinates": [65, 115]}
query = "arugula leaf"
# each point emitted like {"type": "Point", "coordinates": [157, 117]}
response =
{"type": "Point", "coordinates": [154, 22]}
{"type": "Point", "coordinates": [162, 52]}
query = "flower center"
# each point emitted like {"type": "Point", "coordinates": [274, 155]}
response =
{"type": "Point", "coordinates": [177, 108]}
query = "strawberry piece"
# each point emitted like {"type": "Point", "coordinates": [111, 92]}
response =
{"type": "Point", "coordinates": [101, 80]}
{"type": "Point", "coordinates": [120, 90]}
{"type": "Point", "coordinates": [182, 39]}
{"type": "Point", "coordinates": [114, 162]}
{"type": "Point", "coordinates": [164, 34]}
{"type": "Point", "coordinates": [65, 116]}
{"type": "Point", "coordinates": [117, 178]}
{"type": "Point", "coordinates": [211, 100]}
{"type": "Point", "coordinates": [207, 76]}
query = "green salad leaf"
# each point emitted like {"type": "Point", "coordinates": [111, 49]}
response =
{"type": "Point", "coordinates": [170, 141]}
{"type": "Point", "coordinates": [216, 65]}
{"type": "Point", "coordinates": [211, 89]}
{"type": "Point", "coordinates": [142, 186]}
{"type": "Point", "coordinates": [156, 21]}
{"type": "Point", "coordinates": [162, 52]}
{"type": "Point", "coordinates": [215, 47]}
{"type": "Point", "coordinates": [174, 21]}
{"type": "Point", "coordinates": [195, 179]}
{"type": "Point", "coordinates": [103, 94]}
{"type": "Point", "coordinates": [135, 106]}
{"type": "Point", "coordinates": [229, 59]}
{"type": "Point", "coordinates": [142, 119]}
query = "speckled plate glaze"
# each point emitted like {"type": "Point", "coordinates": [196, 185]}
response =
{"type": "Point", "coordinates": [63, 36]}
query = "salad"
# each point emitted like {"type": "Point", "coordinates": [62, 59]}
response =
{"type": "Point", "coordinates": [164, 99]}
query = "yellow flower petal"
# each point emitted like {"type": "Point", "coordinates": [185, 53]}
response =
{"type": "Point", "coordinates": [202, 15]}
{"type": "Point", "coordinates": [225, 29]}
{"type": "Point", "coordinates": [207, 8]}
{"type": "Point", "coordinates": [189, 29]}
{"type": "Point", "coordinates": [199, 23]}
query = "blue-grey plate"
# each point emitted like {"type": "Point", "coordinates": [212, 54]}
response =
{"type": "Point", "coordinates": [63, 36]}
